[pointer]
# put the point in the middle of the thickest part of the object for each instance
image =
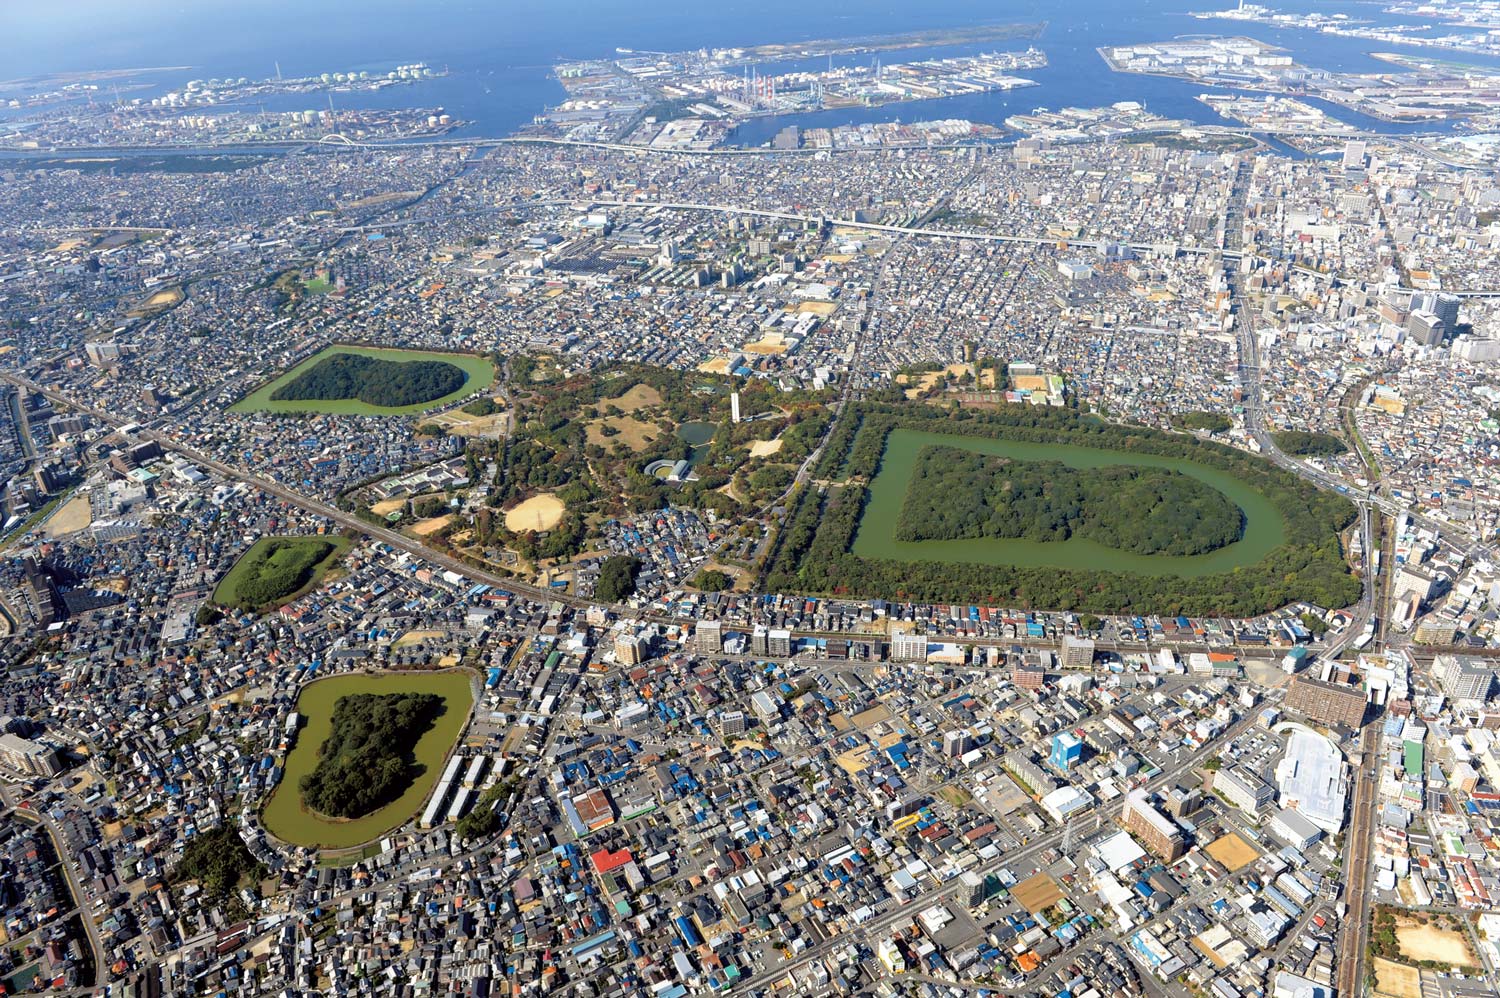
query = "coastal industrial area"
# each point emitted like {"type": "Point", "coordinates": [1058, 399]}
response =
{"type": "Point", "coordinates": [1052, 558]}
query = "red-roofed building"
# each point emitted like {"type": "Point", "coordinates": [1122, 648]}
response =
{"type": "Point", "coordinates": [604, 861]}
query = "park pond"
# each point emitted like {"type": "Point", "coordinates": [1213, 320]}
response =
{"type": "Point", "coordinates": [1264, 528]}
{"type": "Point", "coordinates": [697, 436]}
{"type": "Point", "coordinates": [284, 815]}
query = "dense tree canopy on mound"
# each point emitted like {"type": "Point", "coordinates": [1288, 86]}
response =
{"type": "Point", "coordinates": [812, 551]}
{"type": "Point", "coordinates": [616, 578]}
{"type": "Point", "coordinates": [272, 570]}
{"type": "Point", "coordinates": [711, 580]}
{"type": "Point", "coordinates": [365, 763]}
{"type": "Point", "coordinates": [217, 859]}
{"type": "Point", "coordinates": [1306, 444]}
{"type": "Point", "coordinates": [1213, 422]}
{"type": "Point", "coordinates": [955, 493]}
{"type": "Point", "coordinates": [373, 381]}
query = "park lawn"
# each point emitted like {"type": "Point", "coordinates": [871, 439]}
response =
{"type": "Point", "coordinates": [480, 374]}
{"type": "Point", "coordinates": [318, 286]}
{"type": "Point", "coordinates": [227, 592]}
{"type": "Point", "coordinates": [639, 397]}
{"type": "Point", "coordinates": [632, 432]}
{"type": "Point", "coordinates": [284, 815]}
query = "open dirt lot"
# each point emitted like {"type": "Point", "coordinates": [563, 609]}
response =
{"type": "Point", "coordinates": [170, 296]}
{"type": "Point", "coordinates": [71, 517]}
{"type": "Point", "coordinates": [431, 525]}
{"type": "Point", "coordinates": [492, 425]}
{"type": "Point", "coordinates": [1232, 852]}
{"type": "Point", "coordinates": [386, 507]}
{"type": "Point", "coordinates": [1429, 942]}
{"type": "Point", "coordinates": [379, 199]}
{"type": "Point", "coordinates": [1397, 980]}
{"type": "Point", "coordinates": [1037, 893]}
{"type": "Point", "coordinates": [541, 512]}
{"type": "Point", "coordinates": [764, 448]}
{"type": "Point", "coordinates": [925, 381]}
{"type": "Point", "coordinates": [415, 637]}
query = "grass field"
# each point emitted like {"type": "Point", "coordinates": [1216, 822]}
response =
{"type": "Point", "coordinates": [638, 397]}
{"type": "Point", "coordinates": [631, 432]}
{"type": "Point", "coordinates": [283, 814]}
{"type": "Point", "coordinates": [480, 374]}
{"type": "Point", "coordinates": [227, 592]}
{"type": "Point", "coordinates": [956, 796]}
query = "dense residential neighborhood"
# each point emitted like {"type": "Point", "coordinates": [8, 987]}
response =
{"type": "Point", "coordinates": [1044, 556]}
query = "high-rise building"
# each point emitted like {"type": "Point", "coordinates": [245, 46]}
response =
{"type": "Point", "coordinates": [1028, 774]}
{"type": "Point", "coordinates": [1067, 748]}
{"type": "Point", "coordinates": [890, 956]}
{"type": "Point", "coordinates": [27, 756]}
{"type": "Point", "coordinates": [1445, 306]}
{"type": "Point", "coordinates": [956, 743]}
{"type": "Point", "coordinates": [977, 888]}
{"type": "Point", "coordinates": [1424, 328]}
{"type": "Point", "coordinates": [909, 647]}
{"type": "Point", "coordinates": [1326, 703]}
{"type": "Point", "coordinates": [708, 637]}
{"type": "Point", "coordinates": [1244, 789]}
{"type": "Point", "coordinates": [1354, 155]}
{"type": "Point", "coordinates": [1465, 678]}
{"type": "Point", "coordinates": [1476, 349]}
{"type": "Point", "coordinates": [1029, 677]}
{"type": "Point", "coordinates": [1414, 580]}
{"type": "Point", "coordinates": [779, 642]}
{"type": "Point", "coordinates": [1155, 830]}
{"type": "Point", "coordinates": [630, 649]}
{"type": "Point", "coordinates": [1181, 802]}
{"type": "Point", "coordinates": [1077, 653]}
{"type": "Point", "coordinates": [46, 602]}
{"type": "Point", "coordinates": [102, 353]}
